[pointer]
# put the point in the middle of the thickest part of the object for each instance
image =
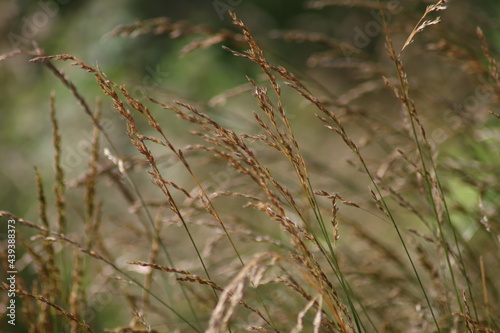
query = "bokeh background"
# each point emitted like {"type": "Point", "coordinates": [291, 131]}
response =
{"type": "Point", "coordinates": [150, 64]}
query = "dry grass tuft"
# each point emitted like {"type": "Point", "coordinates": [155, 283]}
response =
{"type": "Point", "coordinates": [276, 247]}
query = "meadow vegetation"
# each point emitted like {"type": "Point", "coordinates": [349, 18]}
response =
{"type": "Point", "coordinates": [359, 194]}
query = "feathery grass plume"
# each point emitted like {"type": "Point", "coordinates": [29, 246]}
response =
{"type": "Point", "coordinates": [95, 255]}
{"type": "Point", "coordinates": [14, 53]}
{"type": "Point", "coordinates": [70, 85]}
{"type": "Point", "coordinates": [492, 64]}
{"type": "Point", "coordinates": [51, 305]}
{"type": "Point", "coordinates": [423, 23]}
{"type": "Point", "coordinates": [433, 184]}
{"type": "Point", "coordinates": [256, 55]}
{"type": "Point", "coordinates": [263, 208]}
{"type": "Point", "coordinates": [335, 223]}
{"type": "Point", "coordinates": [139, 141]}
{"type": "Point", "coordinates": [60, 185]}
{"type": "Point", "coordinates": [285, 142]}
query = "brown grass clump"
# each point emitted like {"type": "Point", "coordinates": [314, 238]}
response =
{"type": "Point", "coordinates": [294, 239]}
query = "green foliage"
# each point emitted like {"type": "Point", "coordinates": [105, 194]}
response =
{"type": "Point", "coordinates": [331, 168]}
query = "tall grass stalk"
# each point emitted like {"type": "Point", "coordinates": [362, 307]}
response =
{"type": "Point", "coordinates": [298, 254]}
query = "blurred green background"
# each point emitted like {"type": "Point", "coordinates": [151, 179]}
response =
{"type": "Point", "coordinates": [79, 28]}
{"type": "Point", "coordinates": [150, 64]}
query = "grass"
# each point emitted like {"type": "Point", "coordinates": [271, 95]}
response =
{"type": "Point", "coordinates": [373, 228]}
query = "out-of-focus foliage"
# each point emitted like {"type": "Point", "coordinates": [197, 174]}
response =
{"type": "Point", "coordinates": [335, 50]}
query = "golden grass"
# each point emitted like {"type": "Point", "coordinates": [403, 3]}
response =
{"type": "Point", "coordinates": [296, 255]}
